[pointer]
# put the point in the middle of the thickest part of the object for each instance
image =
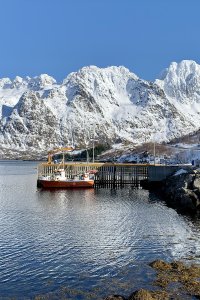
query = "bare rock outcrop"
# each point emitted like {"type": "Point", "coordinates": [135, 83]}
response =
{"type": "Point", "coordinates": [183, 189]}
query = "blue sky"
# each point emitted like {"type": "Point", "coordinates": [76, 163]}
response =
{"type": "Point", "coordinates": [61, 36]}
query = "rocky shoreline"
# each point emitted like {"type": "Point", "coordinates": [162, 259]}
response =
{"type": "Point", "coordinates": [174, 280]}
{"type": "Point", "coordinates": [182, 189]}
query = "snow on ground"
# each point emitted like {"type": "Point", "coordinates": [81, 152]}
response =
{"type": "Point", "coordinates": [179, 172]}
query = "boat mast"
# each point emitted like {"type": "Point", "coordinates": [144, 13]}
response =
{"type": "Point", "coordinates": [63, 160]}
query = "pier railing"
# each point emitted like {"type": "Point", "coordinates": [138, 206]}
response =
{"type": "Point", "coordinates": [71, 169]}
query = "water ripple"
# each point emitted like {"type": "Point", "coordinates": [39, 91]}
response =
{"type": "Point", "coordinates": [79, 240]}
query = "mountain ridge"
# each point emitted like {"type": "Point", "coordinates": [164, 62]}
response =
{"type": "Point", "coordinates": [38, 114]}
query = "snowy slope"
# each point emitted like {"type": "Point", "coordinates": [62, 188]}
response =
{"type": "Point", "coordinates": [181, 84]}
{"type": "Point", "coordinates": [109, 104]}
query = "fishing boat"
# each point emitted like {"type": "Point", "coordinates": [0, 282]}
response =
{"type": "Point", "coordinates": [59, 180]}
{"type": "Point", "coordinates": [57, 176]}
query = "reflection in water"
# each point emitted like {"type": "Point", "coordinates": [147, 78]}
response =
{"type": "Point", "coordinates": [94, 241]}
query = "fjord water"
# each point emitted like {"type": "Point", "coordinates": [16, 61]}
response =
{"type": "Point", "coordinates": [83, 244]}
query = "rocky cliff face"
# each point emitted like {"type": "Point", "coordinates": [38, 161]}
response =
{"type": "Point", "coordinates": [183, 190]}
{"type": "Point", "coordinates": [38, 114]}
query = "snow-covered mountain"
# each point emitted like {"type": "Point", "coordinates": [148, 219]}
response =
{"type": "Point", "coordinates": [38, 114]}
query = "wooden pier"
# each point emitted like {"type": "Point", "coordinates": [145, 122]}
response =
{"type": "Point", "coordinates": [109, 175]}
{"type": "Point", "coordinates": [113, 175]}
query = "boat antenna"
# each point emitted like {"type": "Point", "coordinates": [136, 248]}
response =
{"type": "Point", "coordinates": [63, 160]}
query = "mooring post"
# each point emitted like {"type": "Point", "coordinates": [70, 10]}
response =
{"type": "Point", "coordinates": [114, 176]}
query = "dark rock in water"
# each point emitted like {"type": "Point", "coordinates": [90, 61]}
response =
{"type": "Point", "coordinates": [115, 297]}
{"type": "Point", "coordinates": [149, 295]}
{"type": "Point", "coordinates": [178, 272]}
{"type": "Point", "coordinates": [160, 265]}
{"type": "Point", "coordinates": [183, 190]}
{"type": "Point", "coordinates": [193, 288]}
{"type": "Point", "coordinates": [177, 280]}
{"type": "Point", "coordinates": [178, 265]}
{"type": "Point", "coordinates": [141, 295]}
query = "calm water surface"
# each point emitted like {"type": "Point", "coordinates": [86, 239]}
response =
{"type": "Point", "coordinates": [85, 244]}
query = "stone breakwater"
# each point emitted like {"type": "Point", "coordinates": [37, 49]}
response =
{"type": "Point", "coordinates": [182, 189]}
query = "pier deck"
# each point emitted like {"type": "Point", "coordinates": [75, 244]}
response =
{"type": "Point", "coordinates": [113, 174]}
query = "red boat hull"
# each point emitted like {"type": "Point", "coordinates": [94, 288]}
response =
{"type": "Point", "coordinates": [66, 184]}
